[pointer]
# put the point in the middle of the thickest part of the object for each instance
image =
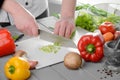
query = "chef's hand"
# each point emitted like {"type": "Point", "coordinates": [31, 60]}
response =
{"type": "Point", "coordinates": [24, 20]}
{"type": "Point", "coordinates": [64, 27]}
{"type": "Point", "coordinates": [27, 24]}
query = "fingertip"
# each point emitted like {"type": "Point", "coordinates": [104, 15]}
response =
{"type": "Point", "coordinates": [56, 29]}
{"type": "Point", "coordinates": [35, 32]}
{"type": "Point", "coordinates": [68, 32]}
{"type": "Point", "coordinates": [67, 35]}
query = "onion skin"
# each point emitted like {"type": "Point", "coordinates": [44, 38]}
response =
{"type": "Point", "coordinates": [117, 34]}
{"type": "Point", "coordinates": [32, 64]}
{"type": "Point", "coordinates": [21, 53]}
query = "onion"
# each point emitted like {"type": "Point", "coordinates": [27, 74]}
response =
{"type": "Point", "coordinates": [23, 54]}
{"type": "Point", "coordinates": [32, 64]}
{"type": "Point", "coordinates": [116, 35]}
{"type": "Point", "coordinates": [20, 53]}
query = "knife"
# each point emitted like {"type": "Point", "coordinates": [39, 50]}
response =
{"type": "Point", "coordinates": [50, 29]}
{"type": "Point", "coordinates": [51, 37]}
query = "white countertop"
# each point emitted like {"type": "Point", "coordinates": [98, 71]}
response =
{"type": "Point", "coordinates": [98, 1]}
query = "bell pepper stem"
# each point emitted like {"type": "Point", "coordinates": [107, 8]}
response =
{"type": "Point", "coordinates": [11, 69]}
{"type": "Point", "coordinates": [90, 48]}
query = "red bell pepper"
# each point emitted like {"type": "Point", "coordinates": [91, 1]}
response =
{"type": "Point", "coordinates": [7, 45]}
{"type": "Point", "coordinates": [90, 48]}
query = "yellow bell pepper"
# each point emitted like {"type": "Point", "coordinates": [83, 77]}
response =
{"type": "Point", "coordinates": [17, 68]}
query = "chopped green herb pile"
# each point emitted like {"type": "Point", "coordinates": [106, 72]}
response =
{"type": "Point", "coordinates": [51, 48]}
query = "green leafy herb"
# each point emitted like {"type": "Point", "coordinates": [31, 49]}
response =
{"type": "Point", "coordinates": [92, 17]}
{"type": "Point", "coordinates": [98, 11]}
{"type": "Point", "coordinates": [86, 21]}
{"type": "Point", "coordinates": [82, 6]}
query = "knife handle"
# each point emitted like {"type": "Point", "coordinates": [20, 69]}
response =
{"type": "Point", "coordinates": [19, 37]}
{"type": "Point", "coordinates": [38, 31]}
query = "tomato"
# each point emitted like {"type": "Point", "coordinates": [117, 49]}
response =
{"type": "Point", "coordinates": [107, 27]}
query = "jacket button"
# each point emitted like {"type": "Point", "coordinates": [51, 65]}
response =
{"type": "Point", "coordinates": [26, 3]}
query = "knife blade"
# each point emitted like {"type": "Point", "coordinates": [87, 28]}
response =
{"type": "Point", "coordinates": [51, 37]}
{"type": "Point", "coordinates": [50, 29]}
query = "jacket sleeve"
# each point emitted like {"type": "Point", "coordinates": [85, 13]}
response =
{"type": "Point", "coordinates": [1, 2]}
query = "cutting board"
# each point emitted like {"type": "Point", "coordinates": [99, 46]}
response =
{"type": "Point", "coordinates": [32, 45]}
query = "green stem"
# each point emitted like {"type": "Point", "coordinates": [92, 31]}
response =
{"type": "Point", "coordinates": [11, 69]}
{"type": "Point", "coordinates": [90, 48]}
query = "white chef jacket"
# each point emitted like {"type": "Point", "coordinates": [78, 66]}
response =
{"type": "Point", "coordinates": [36, 7]}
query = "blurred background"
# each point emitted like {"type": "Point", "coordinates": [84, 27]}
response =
{"type": "Point", "coordinates": [55, 5]}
